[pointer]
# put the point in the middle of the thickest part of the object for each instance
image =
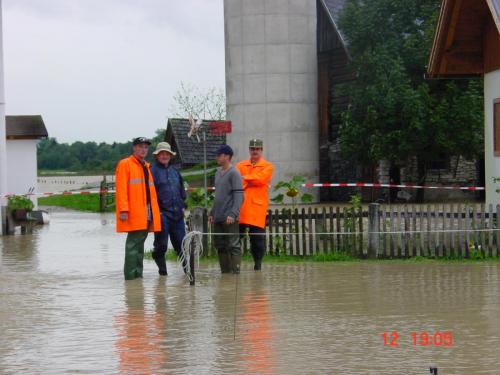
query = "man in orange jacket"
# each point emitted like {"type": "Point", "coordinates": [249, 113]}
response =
{"type": "Point", "coordinates": [257, 174]}
{"type": "Point", "coordinates": [137, 209]}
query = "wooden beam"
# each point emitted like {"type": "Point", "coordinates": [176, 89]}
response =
{"type": "Point", "coordinates": [323, 101]}
{"type": "Point", "coordinates": [437, 46]}
{"type": "Point", "coordinates": [451, 32]}
{"type": "Point", "coordinates": [491, 47]}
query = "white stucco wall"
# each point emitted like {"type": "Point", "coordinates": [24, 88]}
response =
{"type": "Point", "coordinates": [271, 82]}
{"type": "Point", "coordinates": [492, 163]}
{"type": "Point", "coordinates": [22, 166]}
{"type": "Point", "coordinates": [3, 153]}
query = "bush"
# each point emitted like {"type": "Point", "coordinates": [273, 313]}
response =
{"type": "Point", "coordinates": [16, 202]}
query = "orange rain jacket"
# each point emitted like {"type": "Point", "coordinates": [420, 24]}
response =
{"type": "Point", "coordinates": [256, 180]}
{"type": "Point", "coordinates": [131, 197]}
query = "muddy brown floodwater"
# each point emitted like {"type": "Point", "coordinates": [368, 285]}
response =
{"type": "Point", "coordinates": [66, 309]}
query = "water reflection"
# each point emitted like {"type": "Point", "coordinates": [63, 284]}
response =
{"type": "Point", "coordinates": [258, 357]}
{"type": "Point", "coordinates": [20, 251]}
{"type": "Point", "coordinates": [140, 334]}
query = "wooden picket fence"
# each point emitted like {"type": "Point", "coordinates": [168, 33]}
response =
{"type": "Point", "coordinates": [385, 231]}
{"type": "Point", "coordinates": [452, 230]}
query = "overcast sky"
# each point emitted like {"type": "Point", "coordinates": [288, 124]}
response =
{"type": "Point", "coordinates": [106, 70]}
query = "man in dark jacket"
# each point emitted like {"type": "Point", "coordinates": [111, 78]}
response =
{"type": "Point", "coordinates": [171, 199]}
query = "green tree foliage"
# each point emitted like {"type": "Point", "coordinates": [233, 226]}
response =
{"type": "Point", "coordinates": [395, 113]}
{"type": "Point", "coordinates": [86, 157]}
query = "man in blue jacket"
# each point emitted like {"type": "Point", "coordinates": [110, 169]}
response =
{"type": "Point", "coordinates": [171, 199]}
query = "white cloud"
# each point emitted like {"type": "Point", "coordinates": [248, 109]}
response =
{"type": "Point", "coordinates": [107, 70]}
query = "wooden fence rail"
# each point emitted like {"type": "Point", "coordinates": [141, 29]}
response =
{"type": "Point", "coordinates": [455, 230]}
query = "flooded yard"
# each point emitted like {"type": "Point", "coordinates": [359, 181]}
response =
{"type": "Point", "coordinates": [66, 309]}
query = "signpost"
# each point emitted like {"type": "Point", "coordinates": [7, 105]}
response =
{"type": "Point", "coordinates": [219, 127]}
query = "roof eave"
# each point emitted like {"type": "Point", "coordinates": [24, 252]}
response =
{"type": "Point", "coordinates": [440, 38]}
{"type": "Point", "coordinates": [495, 13]}
{"type": "Point", "coordinates": [335, 27]}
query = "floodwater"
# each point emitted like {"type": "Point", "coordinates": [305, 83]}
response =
{"type": "Point", "coordinates": [65, 309]}
{"type": "Point", "coordinates": [52, 184]}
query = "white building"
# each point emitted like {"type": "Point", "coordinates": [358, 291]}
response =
{"type": "Point", "coordinates": [22, 134]}
{"type": "Point", "coordinates": [467, 43]}
{"type": "Point", "coordinates": [3, 153]}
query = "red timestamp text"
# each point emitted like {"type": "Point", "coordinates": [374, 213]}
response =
{"type": "Point", "coordinates": [421, 338]}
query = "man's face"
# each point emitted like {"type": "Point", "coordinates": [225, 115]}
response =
{"type": "Point", "coordinates": [164, 157]}
{"type": "Point", "coordinates": [222, 159]}
{"type": "Point", "coordinates": [255, 153]}
{"type": "Point", "coordinates": [141, 150]}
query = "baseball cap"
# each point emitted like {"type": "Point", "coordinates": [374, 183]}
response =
{"type": "Point", "coordinates": [139, 140]}
{"type": "Point", "coordinates": [224, 149]}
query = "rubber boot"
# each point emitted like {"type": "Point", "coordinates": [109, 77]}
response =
{"type": "Point", "coordinates": [257, 261]}
{"type": "Point", "coordinates": [257, 264]}
{"type": "Point", "coordinates": [235, 263]}
{"type": "Point", "coordinates": [160, 262]}
{"type": "Point", "coordinates": [224, 262]}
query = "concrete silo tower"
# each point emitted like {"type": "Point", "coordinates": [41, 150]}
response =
{"type": "Point", "coordinates": [271, 82]}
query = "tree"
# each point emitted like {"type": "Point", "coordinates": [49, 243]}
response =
{"type": "Point", "coordinates": [208, 104]}
{"type": "Point", "coordinates": [395, 113]}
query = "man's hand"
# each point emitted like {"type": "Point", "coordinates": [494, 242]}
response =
{"type": "Point", "coordinates": [229, 220]}
{"type": "Point", "coordinates": [210, 220]}
{"type": "Point", "coordinates": [124, 216]}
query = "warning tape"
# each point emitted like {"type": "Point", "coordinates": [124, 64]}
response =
{"type": "Point", "coordinates": [337, 184]}
{"type": "Point", "coordinates": [392, 186]}
{"type": "Point", "coordinates": [80, 192]}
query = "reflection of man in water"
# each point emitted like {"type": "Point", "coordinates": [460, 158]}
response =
{"type": "Point", "coordinates": [257, 333]}
{"type": "Point", "coordinates": [140, 335]}
{"type": "Point", "coordinates": [136, 206]}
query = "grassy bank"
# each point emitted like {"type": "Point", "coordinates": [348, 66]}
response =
{"type": "Point", "coordinates": [80, 202]}
{"type": "Point", "coordinates": [339, 257]}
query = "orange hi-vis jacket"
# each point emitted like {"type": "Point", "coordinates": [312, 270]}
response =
{"type": "Point", "coordinates": [256, 180]}
{"type": "Point", "coordinates": [131, 197]}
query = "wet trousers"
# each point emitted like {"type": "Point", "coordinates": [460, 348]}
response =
{"type": "Point", "coordinates": [229, 242]}
{"type": "Point", "coordinates": [176, 229]}
{"type": "Point", "coordinates": [228, 247]}
{"type": "Point", "coordinates": [257, 241]}
{"type": "Point", "coordinates": [134, 254]}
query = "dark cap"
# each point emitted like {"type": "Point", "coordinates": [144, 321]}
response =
{"type": "Point", "coordinates": [224, 149]}
{"type": "Point", "coordinates": [139, 140]}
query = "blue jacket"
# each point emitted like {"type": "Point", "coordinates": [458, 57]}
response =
{"type": "Point", "coordinates": [170, 190]}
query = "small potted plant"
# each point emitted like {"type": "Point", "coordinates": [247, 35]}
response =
{"type": "Point", "coordinates": [19, 206]}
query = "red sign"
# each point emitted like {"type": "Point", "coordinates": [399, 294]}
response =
{"type": "Point", "coordinates": [220, 127]}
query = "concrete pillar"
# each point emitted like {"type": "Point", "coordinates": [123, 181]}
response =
{"type": "Point", "coordinates": [271, 82]}
{"type": "Point", "coordinates": [3, 153]}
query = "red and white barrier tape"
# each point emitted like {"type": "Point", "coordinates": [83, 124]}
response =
{"type": "Point", "coordinates": [392, 186]}
{"type": "Point", "coordinates": [78, 192]}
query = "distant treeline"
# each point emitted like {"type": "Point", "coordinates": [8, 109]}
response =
{"type": "Point", "coordinates": [85, 156]}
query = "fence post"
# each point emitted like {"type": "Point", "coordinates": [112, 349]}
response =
{"type": "Point", "coordinates": [373, 230]}
{"type": "Point", "coordinates": [102, 194]}
{"type": "Point", "coordinates": [206, 239]}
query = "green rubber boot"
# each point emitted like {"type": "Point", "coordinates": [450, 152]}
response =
{"type": "Point", "coordinates": [224, 262]}
{"type": "Point", "coordinates": [236, 263]}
